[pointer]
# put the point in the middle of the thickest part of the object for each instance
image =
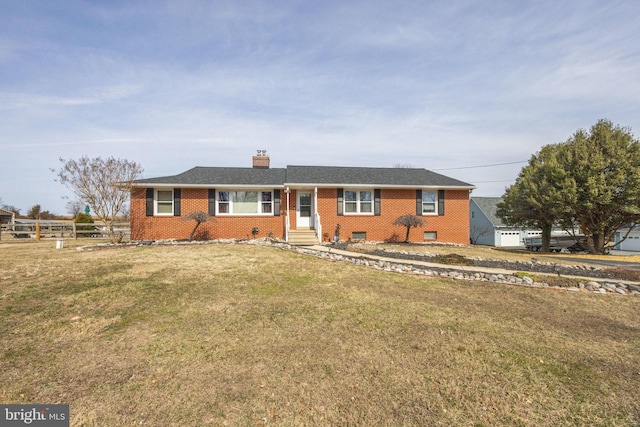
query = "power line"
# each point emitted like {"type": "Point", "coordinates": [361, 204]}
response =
{"type": "Point", "coordinates": [482, 166]}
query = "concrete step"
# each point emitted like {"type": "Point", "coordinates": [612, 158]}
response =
{"type": "Point", "coordinates": [303, 237]}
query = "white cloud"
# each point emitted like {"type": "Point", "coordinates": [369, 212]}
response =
{"type": "Point", "coordinates": [178, 84]}
{"type": "Point", "coordinates": [13, 101]}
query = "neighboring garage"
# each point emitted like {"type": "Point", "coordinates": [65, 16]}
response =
{"type": "Point", "coordinates": [508, 238]}
{"type": "Point", "coordinates": [487, 229]}
{"type": "Point", "coordinates": [632, 243]}
{"type": "Point", "coordinates": [7, 217]}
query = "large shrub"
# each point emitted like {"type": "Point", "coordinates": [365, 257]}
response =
{"type": "Point", "coordinates": [83, 230]}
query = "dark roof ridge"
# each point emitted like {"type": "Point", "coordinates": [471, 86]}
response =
{"type": "Point", "coordinates": [352, 167]}
{"type": "Point", "coordinates": [230, 167]}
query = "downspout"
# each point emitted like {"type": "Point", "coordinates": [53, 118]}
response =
{"type": "Point", "coordinates": [316, 215]}
{"type": "Point", "coordinates": [287, 222]}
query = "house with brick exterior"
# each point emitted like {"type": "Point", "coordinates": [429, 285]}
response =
{"type": "Point", "coordinates": [301, 204]}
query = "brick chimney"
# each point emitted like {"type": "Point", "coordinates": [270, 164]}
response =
{"type": "Point", "coordinates": [261, 160]}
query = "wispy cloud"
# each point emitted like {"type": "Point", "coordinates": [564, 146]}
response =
{"type": "Point", "coordinates": [12, 101]}
{"type": "Point", "coordinates": [175, 84]}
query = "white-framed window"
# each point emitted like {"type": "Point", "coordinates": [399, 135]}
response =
{"type": "Point", "coordinates": [358, 202]}
{"type": "Point", "coordinates": [163, 202]}
{"type": "Point", "coordinates": [429, 202]}
{"type": "Point", "coordinates": [244, 202]}
{"type": "Point", "coordinates": [266, 202]}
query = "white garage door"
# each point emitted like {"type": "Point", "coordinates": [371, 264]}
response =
{"type": "Point", "coordinates": [509, 238]}
{"type": "Point", "coordinates": [632, 243]}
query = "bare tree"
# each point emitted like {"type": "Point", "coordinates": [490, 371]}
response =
{"type": "Point", "coordinates": [410, 221]}
{"type": "Point", "coordinates": [74, 207]}
{"type": "Point", "coordinates": [126, 213]}
{"type": "Point", "coordinates": [199, 217]}
{"type": "Point", "coordinates": [104, 183]}
{"type": "Point", "coordinates": [10, 208]}
{"type": "Point", "coordinates": [477, 231]}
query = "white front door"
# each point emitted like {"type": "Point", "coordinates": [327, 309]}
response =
{"type": "Point", "coordinates": [304, 209]}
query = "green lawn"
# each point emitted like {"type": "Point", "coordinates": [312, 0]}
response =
{"type": "Point", "coordinates": [245, 335]}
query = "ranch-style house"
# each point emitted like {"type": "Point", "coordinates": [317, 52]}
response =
{"type": "Point", "coordinates": [301, 204]}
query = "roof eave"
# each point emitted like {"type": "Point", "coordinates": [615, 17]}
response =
{"type": "Point", "coordinates": [211, 185]}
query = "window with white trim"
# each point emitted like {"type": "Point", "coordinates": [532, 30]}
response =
{"type": "Point", "coordinates": [266, 202]}
{"type": "Point", "coordinates": [358, 202]}
{"type": "Point", "coordinates": [164, 202]}
{"type": "Point", "coordinates": [245, 202]}
{"type": "Point", "coordinates": [429, 203]}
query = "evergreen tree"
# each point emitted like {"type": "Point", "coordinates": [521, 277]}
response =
{"type": "Point", "coordinates": [604, 165]}
{"type": "Point", "coordinates": [592, 180]}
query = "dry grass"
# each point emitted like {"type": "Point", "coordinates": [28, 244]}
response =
{"type": "Point", "coordinates": [488, 252]}
{"type": "Point", "coordinates": [243, 335]}
{"type": "Point", "coordinates": [485, 252]}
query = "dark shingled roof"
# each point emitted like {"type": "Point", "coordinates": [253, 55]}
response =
{"type": "Point", "coordinates": [489, 207]}
{"type": "Point", "coordinates": [332, 175]}
{"type": "Point", "coordinates": [222, 176]}
{"type": "Point", "coordinates": [307, 175]}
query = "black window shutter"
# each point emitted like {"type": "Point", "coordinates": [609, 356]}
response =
{"type": "Point", "coordinates": [419, 202]}
{"type": "Point", "coordinates": [149, 203]}
{"type": "Point", "coordinates": [212, 201]}
{"type": "Point", "coordinates": [276, 202]}
{"type": "Point", "coordinates": [376, 202]}
{"type": "Point", "coordinates": [441, 202]}
{"type": "Point", "coordinates": [176, 201]}
{"type": "Point", "coordinates": [340, 199]}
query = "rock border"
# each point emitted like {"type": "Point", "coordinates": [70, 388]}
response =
{"type": "Point", "coordinates": [386, 264]}
{"type": "Point", "coordinates": [451, 272]}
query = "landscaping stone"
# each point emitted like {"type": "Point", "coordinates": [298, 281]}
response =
{"type": "Point", "coordinates": [448, 271]}
{"type": "Point", "coordinates": [593, 285]}
{"type": "Point", "coordinates": [633, 287]}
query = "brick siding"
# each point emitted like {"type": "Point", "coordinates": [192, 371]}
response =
{"type": "Point", "coordinates": [192, 200]}
{"type": "Point", "coordinates": [452, 227]}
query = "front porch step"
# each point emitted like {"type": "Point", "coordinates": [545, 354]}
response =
{"type": "Point", "coordinates": [303, 237]}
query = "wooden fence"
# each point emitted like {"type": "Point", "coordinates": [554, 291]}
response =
{"type": "Point", "coordinates": [60, 230]}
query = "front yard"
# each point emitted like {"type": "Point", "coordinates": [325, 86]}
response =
{"type": "Point", "coordinates": [230, 334]}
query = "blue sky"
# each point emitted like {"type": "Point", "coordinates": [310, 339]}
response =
{"type": "Point", "coordinates": [441, 85]}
